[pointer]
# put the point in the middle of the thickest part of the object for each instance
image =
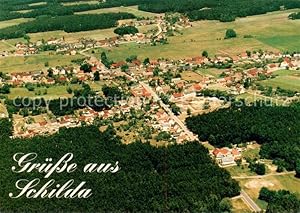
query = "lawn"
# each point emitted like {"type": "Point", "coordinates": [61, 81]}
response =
{"type": "Point", "coordinates": [208, 35]}
{"type": "Point", "coordinates": [52, 92]}
{"type": "Point", "coordinates": [251, 153]}
{"type": "Point", "coordinates": [34, 62]}
{"type": "Point", "coordinates": [12, 22]}
{"type": "Point", "coordinates": [286, 79]}
{"type": "Point", "coordinates": [211, 72]}
{"type": "Point", "coordinates": [242, 170]}
{"type": "Point", "coordinates": [131, 9]}
{"type": "Point", "coordinates": [251, 98]}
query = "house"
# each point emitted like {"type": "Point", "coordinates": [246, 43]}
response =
{"type": "Point", "coordinates": [225, 156]}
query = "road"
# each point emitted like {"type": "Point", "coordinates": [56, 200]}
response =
{"type": "Point", "coordinates": [156, 98]}
{"type": "Point", "coordinates": [168, 110]}
{"type": "Point", "coordinates": [250, 202]}
{"type": "Point", "coordinates": [159, 30]}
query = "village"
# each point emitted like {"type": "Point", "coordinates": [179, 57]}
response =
{"type": "Point", "coordinates": [162, 93]}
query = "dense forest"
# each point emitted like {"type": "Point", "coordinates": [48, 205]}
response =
{"type": "Point", "coordinates": [177, 178]}
{"type": "Point", "coordinates": [275, 127]}
{"type": "Point", "coordinates": [280, 201]}
{"type": "Point", "coordinates": [71, 23]}
{"type": "Point", "coordinates": [227, 10]}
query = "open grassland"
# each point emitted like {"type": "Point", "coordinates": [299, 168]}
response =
{"type": "Point", "coordinates": [24, 11]}
{"type": "Point", "coordinates": [52, 92]}
{"type": "Point", "coordinates": [253, 186]}
{"type": "Point", "coordinates": [34, 62]}
{"type": "Point", "coordinates": [80, 2]}
{"type": "Point", "coordinates": [12, 22]}
{"type": "Point", "coordinates": [286, 79]}
{"type": "Point", "coordinates": [38, 3]}
{"type": "Point", "coordinates": [131, 9]}
{"type": "Point", "coordinates": [208, 35]}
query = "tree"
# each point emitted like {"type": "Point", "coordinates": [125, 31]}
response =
{"type": "Point", "coordinates": [69, 90]}
{"type": "Point", "coordinates": [50, 73]}
{"type": "Point", "coordinates": [230, 33]}
{"type": "Point", "coordinates": [126, 30]}
{"type": "Point", "coordinates": [189, 111]}
{"type": "Point", "coordinates": [175, 109]}
{"type": "Point", "coordinates": [46, 64]}
{"type": "Point", "coordinates": [86, 67]}
{"type": "Point", "coordinates": [225, 205]}
{"type": "Point", "coordinates": [297, 168]}
{"type": "Point", "coordinates": [97, 76]}
{"type": "Point", "coordinates": [146, 61]}
{"type": "Point", "coordinates": [27, 38]}
{"type": "Point", "coordinates": [131, 58]}
{"type": "Point", "coordinates": [5, 89]}
{"type": "Point", "coordinates": [124, 68]}
{"type": "Point", "coordinates": [205, 54]}
{"type": "Point", "coordinates": [156, 71]}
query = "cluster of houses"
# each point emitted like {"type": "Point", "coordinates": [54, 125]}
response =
{"type": "Point", "coordinates": [180, 91]}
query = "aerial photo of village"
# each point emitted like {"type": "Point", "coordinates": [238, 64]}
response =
{"type": "Point", "coordinates": [198, 101]}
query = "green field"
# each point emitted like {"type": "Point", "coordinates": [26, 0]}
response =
{"type": "Point", "coordinates": [132, 9]}
{"type": "Point", "coordinates": [52, 92]}
{"type": "Point", "coordinates": [34, 62]}
{"type": "Point", "coordinates": [208, 35]}
{"type": "Point", "coordinates": [80, 2]}
{"type": "Point", "coordinates": [286, 79]}
{"type": "Point", "coordinates": [12, 22]}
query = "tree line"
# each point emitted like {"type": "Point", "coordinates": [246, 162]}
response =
{"type": "Point", "coordinates": [70, 23]}
{"type": "Point", "coordinates": [176, 178]}
{"type": "Point", "coordinates": [280, 201]}
{"type": "Point", "coordinates": [275, 127]}
{"type": "Point", "coordinates": [227, 10]}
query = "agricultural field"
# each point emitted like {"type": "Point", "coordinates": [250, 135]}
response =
{"type": "Point", "coordinates": [286, 79]}
{"type": "Point", "coordinates": [131, 9]}
{"type": "Point", "coordinates": [34, 62]}
{"type": "Point", "coordinates": [208, 35]}
{"type": "Point", "coordinates": [52, 92]}
{"type": "Point", "coordinates": [12, 22]}
{"type": "Point", "coordinates": [80, 2]}
{"type": "Point", "coordinates": [73, 37]}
